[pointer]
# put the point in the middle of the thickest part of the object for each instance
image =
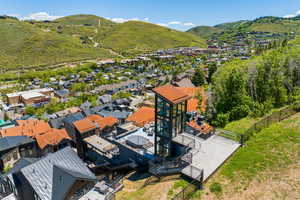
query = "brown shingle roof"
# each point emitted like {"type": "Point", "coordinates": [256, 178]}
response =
{"type": "Point", "coordinates": [171, 93]}
{"type": "Point", "coordinates": [142, 116]}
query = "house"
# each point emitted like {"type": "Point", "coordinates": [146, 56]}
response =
{"type": "Point", "coordinates": [105, 124]}
{"type": "Point", "coordinates": [104, 99]}
{"type": "Point", "coordinates": [186, 82]}
{"type": "Point", "coordinates": [142, 116]}
{"type": "Point", "coordinates": [194, 92]}
{"type": "Point", "coordinates": [68, 111]}
{"type": "Point", "coordinates": [53, 140]}
{"type": "Point", "coordinates": [6, 124]}
{"type": "Point", "coordinates": [56, 123]}
{"type": "Point", "coordinates": [30, 97]}
{"type": "Point", "coordinates": [88, 128]}
{"type": "Point", "coordinates": [60, 175]}
{"type": "Point", "coordinates": [120, 115]}
{"type": "Point", "coordinates": [12, 148]}
{"type": "Point", "coordinates": [62, 94]}
{"type": "Point", "coordinates": [48, 139]}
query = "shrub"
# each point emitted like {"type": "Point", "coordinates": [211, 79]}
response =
{"type": "Point", "coordinates": [215, 188]}
{"type": "Point", "coordinates": [221, 120]}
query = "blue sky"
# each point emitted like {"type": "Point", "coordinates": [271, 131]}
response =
{"type": "Point", "coordinates": [178, 14]}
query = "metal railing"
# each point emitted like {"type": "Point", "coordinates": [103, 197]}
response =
{"type": "Point", "coordinates": [187, 192]}
{"type": "Point", "coordinates": [269, 120]}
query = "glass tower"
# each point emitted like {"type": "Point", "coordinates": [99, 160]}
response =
{"type": "Point", "coordinates": [170, 119]}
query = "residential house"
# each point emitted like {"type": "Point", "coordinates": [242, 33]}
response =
{"type": "Point", "coordinates": [60, 175]}
{"type": "Point", "coordinates": [48, 139]}
{"type": "Point", "coordinates": [62, 94]}
{"type": "Point", "coordinates": [142, 116]}
{"type": "Point", "coordinates": [12, 148]}
{"type": "Point", "coordinates": [30, 97]}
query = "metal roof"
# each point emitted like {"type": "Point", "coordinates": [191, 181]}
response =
{"type": "Point", "coordinates": [73, 118]}
{"type": "Point", "coordinates": [13, 141]}
{"type": "Point", "coordinates": [53, 176]}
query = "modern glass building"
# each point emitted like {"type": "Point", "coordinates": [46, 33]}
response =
{"type": "Point", "coordinates": [170, 118]}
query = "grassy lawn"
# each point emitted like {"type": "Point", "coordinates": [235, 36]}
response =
{"type": "Point", "coordinates": [241, 126]}
{"type": "Point", "coordinates": [264, 159]}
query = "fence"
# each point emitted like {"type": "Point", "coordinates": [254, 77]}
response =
{"type": "Point", "coordinates": [187, 192]}
{"type": "Point", "coordinates": [263, 123]}
{"type": "Point", "coordinates": [271, 119]}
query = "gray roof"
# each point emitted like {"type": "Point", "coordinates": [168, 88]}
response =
{"type": "Point", "coordinates": [13, 141]}
{"type": "Point", "coordinates": [115, 114]}
{"type": "Point", "coordinates": [62, 93]}
{"type": "Point", "coordinates": [73, 118]}
{"type": "Point", "coordinates": [56, 123]}
{"type": "Point", "coordinates": [20, 164]}
{"type": "Point", "coordinates": [186, 82]}
{"type": "Point", "coordinates": [105, 98]}
{"type": "Point", "coordinates": [54, 175]}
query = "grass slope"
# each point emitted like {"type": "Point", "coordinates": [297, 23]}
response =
{"type": "Point", "coordinates": [25, 44]}
{"type": "Point", "coordinates": [204, 31]}
{"type": "Point", "coordinates": [265, 160]}
{"type": "Point", "coordinates": [136, 36]}
{"type": "Point", "coordinates": [79, 37]}
{"type": "Point", "coordinates": [263, 24]}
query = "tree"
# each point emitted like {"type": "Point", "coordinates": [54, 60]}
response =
{"type": "Point", "coordinates": [199, 77]}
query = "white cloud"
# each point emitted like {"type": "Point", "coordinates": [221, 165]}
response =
{"type": "Point", "coordinates": [162, 24]}
{"type": "Point", "coordinates": [14, 15]}
{"type": "Point", "coordinates": [292, 15]}
{"type": "Point", "coordinates": [174, 23]}
{"type": "Point", "coordinates": [122, 20]}
{"type": "Point", "coordinates": [289, 16]}
{"type": "Point", "coordinates": [146, 19]}
{"type": "Point", "coordinates": [188, 24]}
{"type": "Point", "coordinates": [40, 16]}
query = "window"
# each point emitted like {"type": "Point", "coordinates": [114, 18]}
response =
{"type": "Point", "coordinates": [15, 155]}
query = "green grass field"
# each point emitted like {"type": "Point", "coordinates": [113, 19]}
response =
{"type": "Point", "coordinates": [82, 37]}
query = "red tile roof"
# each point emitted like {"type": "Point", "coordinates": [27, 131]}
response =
{"type": "Point", "coordinates": [40, 130]}
{"type": "Point", "coordinates": [192, 105]}
{"type": "Point", "coordinates": [142, 116]}
{"type": "Point", "coordinates": [171, 93]}
{"type": "Point", "coordinates": [52, 137]}
{"type": "Point", "coordinates": [193, 92]}
{"type": "Point", "coordinates": [103, 121]}
{"type": "Point", "coordinates": [29, 128]}
{"type": "Point", "coordinates": [84, 125]}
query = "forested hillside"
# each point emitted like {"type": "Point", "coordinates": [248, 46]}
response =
{"type": "Point", "coordinates": [262, 24]}
{"type": "Point", "coordinates": [256, 86]}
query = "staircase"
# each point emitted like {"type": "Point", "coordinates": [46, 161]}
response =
{"type": "Point", "coordinates": [6, 187]}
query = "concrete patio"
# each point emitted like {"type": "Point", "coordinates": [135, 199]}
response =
{"type": "Point", "coordinates": [212, 154]}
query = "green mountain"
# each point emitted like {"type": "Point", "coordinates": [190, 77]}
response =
{"type": "Point", "coordinates": [204, 31]}
{"type": "Point", "coordinates": [79, 37]}
{"type": "Point", "coordinates": [262, 24]}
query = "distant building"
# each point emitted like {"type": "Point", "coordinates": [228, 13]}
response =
{"type": "Point", "coordinates": [30, 97]}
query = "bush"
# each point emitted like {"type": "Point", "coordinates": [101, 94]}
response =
{"type": "Point", "coordinates": [215, 188]}
{"type": "Point", "coordinates": [221, 120]}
